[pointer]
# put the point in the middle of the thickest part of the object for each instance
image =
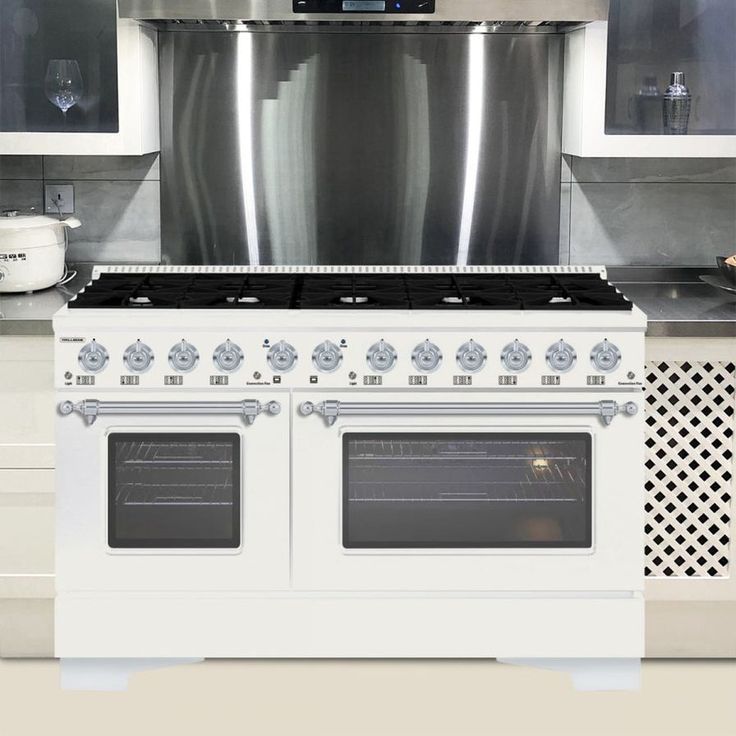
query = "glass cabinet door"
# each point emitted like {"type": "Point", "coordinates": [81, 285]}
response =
{"type": "Point", "coordinates": [467, 490]}
{"type": "Point", "coordinates": [650, 40]}
{"type": "Point", "coordinates": [58, 66]}
{"type": "Point", "coordinates": [169, 490]}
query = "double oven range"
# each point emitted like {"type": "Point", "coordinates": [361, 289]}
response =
{"type": "Point", "coordinates": [349, 462]}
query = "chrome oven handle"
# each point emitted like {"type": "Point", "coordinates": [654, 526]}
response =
{"type": "Point", "coordinates": [331, 410]}
{"type": "Point", "coordinates": [90, 409]}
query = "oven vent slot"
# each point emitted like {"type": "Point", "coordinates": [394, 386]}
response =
{"type": "Point", "coordinates": [502, 26]}
{"type": "Point", "coordinates": [689, 468]}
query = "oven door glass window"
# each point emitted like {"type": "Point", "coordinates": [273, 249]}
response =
{"type": "Point", "coordinates": [458, 490]}
{"type": "Point", "coordinates": [170, 490]}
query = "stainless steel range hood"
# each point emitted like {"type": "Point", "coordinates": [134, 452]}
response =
{"type": "Point", "coordinates": [452, 12]}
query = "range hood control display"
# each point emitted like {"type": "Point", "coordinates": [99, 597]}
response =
{"type": "Point", "coordinates": [415, 7]}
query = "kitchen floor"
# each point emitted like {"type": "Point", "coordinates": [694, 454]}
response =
{"type": "Point", "coordinates": [383, 698]}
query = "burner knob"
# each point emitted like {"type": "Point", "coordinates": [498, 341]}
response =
{"type": "Point", "coordinates": [282, 357]}
{"type": "Point", "coordinates": [426, 357]}
{"type": "Point", "coordinates": [471, 357]}
{"type": "Point", "coordinates": [183, 357]}
{"type": "Point", "coordinates": [516, 357]}
{"type": "Point", "coordinates": [381, 357]}
{"type": "Point", "coordinates": [228, 357]}
{"type": "Point", "coordinates": [93, 358]}
{"type": "Point", "coordinates": [327, 357]}
{"type": "Point", "coordinates": [561, 357]}
{"type": "Point", "coordinates": [605, 357]}
{"type": "Point", "coordinates": [138, 357]}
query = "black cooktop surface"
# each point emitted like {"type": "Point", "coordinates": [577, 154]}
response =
{"type": "Point", "coordinates": [444, 291]}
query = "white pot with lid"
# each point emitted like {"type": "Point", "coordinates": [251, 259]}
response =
{"type": "Point", "coordinates": [32, 250]}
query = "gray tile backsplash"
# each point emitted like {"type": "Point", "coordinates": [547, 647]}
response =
{"type": "Point", "coordinates": [128, 168]}
{"type": "Point", "coordinates": [649, 211]}
{"type": "Point", "coordinates": [116, 198]}
{"type": "Point", "coordinates": [21, 194]}
{"type": "Point", "coordinates": [653, 170]}
{"type": "Point", "coordinates": [120, 222]}
{"type": "Point", "coordinates": [21, 167]}
{"type": "Point", "coordinates": [652, 224]}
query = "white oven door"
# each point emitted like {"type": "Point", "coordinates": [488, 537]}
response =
{"type": "Point", "coordinates": [165, 495]}
{"type": "Point", "coordinates": [477, 495]}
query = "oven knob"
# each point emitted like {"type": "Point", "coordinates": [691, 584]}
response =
{"type": "Point", "coordinates": [471, 356]}
{"type": "Point", "coordinates": [93, 358]}
{"type": "Point", "coordinates": [605, 357]}
{"type": "Point", "coordinates": [282, 357]}
{"type": "Point", "coordinates": [138, 357]}
{"type": "Point", "coordinates": [183, 357]}
{"type": "Point", "coordinates": [426, 357]}
{"type": "Point", "coordinates": [381, 357]}
{"type": "Point", "coordinates": [516, 357]}
{"type": "Point", "coordinates": [327, 357]}
{"type": "Point", "coordinates": [561, 357]}
{"type": "Point", "coordinates": [228, 357]}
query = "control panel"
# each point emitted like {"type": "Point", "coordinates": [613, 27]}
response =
{"type": "Point", "coordinates": [413, 7]}
{"type": "Point", "coordinates": [392, 360]}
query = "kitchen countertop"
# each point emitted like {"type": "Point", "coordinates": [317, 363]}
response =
{"type": "Point", "coordinates": [30, 314]}
{"type": "Point", "coordinates": [676, 302]}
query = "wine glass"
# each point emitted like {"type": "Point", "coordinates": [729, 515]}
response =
{"type": "Point", "coordinates": [63, 84]}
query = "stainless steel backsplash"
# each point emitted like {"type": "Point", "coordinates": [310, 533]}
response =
{"type": "Point", "coordinates": [286, 147]}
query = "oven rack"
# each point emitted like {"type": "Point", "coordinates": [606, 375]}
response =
{"type": "Point", "coordinates": [212, 493]}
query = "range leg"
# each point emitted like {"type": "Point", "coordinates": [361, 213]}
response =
{"type": "Point", "coordinates": [109, 675]}
{"type": "Point", "coordinates": [591, 674]}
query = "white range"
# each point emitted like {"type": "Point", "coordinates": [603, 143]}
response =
{"type": "Point", "coordinates": [350, 462]}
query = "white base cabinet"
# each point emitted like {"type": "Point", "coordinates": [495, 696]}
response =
{"type": "Point", "coordinates": [26, 497]}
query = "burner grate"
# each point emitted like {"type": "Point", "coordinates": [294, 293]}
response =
{"type": "Point", "coordinates": [340, 291]}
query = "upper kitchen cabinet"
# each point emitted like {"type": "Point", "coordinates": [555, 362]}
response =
{"type": "Point", "coordinates": [76, 79]}
{"type": "Point", "coordinates": [619, 97]}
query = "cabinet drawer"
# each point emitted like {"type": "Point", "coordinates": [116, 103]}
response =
{"type": "Point", "coordinates": [27, 401]}
{"type": "Point", "coordinates": [26, 522]}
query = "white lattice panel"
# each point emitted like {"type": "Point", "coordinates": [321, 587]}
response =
{"type": "Point", "coordinates": [690, 446]}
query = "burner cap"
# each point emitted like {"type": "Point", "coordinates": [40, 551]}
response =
{"type": "Point", "coordinates": [354, 300]}
{"type": "Point", "coordinates": [243, 300]}
{"type": "Point", "coordinates": [455, 300]}
{"type": "Point", "coordinates": [139, 301]}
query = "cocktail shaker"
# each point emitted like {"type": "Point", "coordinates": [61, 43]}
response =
{"type": "Point", "coordinates": [677, 101]}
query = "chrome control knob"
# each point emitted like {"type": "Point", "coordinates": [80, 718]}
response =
{"type": "Point", "coordinates": [516, 357]}
{"type": "Point", "coordinates": [228, 357]}
{"type": "Point", "coordinates": [605, 357]}
{"type": "Point", "coordinates": [381, 357]}
{"type": "Point", "coordinates": [183, 357]}
{"type": "Point", "coordinates": [327, 357]}
{"type": "Point", "coordinates": [426, 357]}
{"type": "Point", "coordinates": [93, 357]}
{"type": "Point", "coordinates": [471, 357]}
{"type": "Point", "coordinates": [561, 357]}
{"type": "Point", "coordinates": [138, 357]}
{"type": "Point", "coordinates": [282, 357]}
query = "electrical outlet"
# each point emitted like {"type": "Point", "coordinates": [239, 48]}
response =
{"type": "Point", "coordinates": [59, 198]}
